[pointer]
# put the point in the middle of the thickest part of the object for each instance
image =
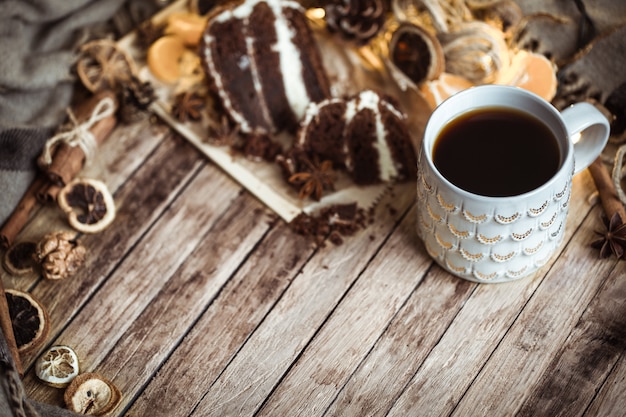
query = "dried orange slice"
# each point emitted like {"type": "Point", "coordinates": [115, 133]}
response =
{"type": "Point", "coordinates": [29, 319]}
{"type": "Point", "coordinates": [445, 86]}
{"type": "Point", "coordinates": [102, 64]}
{"type": "Point", "coordinates": [91, 394]}
{"type": "Point", "coordinates": [171, 61]}
{"type": "Point", "coordinates": [164, 57]}
{"type": "Point", "coordinates": [88, 204]}
{"type": "Point", "coordinates": [187, 26]}
{"type": "Point", "coordinates": [58, 366]}
{"type": "Point", "coordinates": [18, 259]}
{"type": "Point", "coordinates": [533, 72]}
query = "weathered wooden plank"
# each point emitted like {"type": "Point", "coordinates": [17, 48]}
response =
{"type": "Point", "coordinates": [167, 319]}
{"type": "Point", "coordinates": [125, 151]}
{"type": "Point", "coordinates": [459, 355]}
{"type": "Point", "coordinates": [142, 274]}
{"type": "Point", "coordinates": [227, 323]}
{"type": "Point", "coordinates": [305, 306]}
{"type": "Point", "coordinates": [139, 203]}
{"type": "Point", "coordinates": [523, 356]}
{"type": "Point", "coordinates": [408, 340]}
{"type": "Point", "coordinates": [582, 364]}
{"type": "Point", "coordinates": [611, 400]}
{"type": "Point", "coordinates": [485, 318]}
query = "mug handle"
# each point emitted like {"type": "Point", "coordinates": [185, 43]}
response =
{"type": "Point", "coordinates": [590, 129]}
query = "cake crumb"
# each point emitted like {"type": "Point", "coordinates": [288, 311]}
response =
{"type": "Point", "coordinates": [333, 222]}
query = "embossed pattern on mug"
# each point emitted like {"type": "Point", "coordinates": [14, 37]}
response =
{"type": "Point", "coordinates": [457, 236]}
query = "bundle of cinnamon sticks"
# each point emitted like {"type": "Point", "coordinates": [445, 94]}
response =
{"type": "Point", "coordinates": [67, 161]}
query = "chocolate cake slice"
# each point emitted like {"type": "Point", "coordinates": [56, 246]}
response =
{"type": "Point", "coordinates": [366, 134]}
{"type": "Point", "coordinates": [263, 64]}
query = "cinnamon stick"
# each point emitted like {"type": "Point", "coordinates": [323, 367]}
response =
{"type": "Point", "coordinates": [69, 160]}
{"type": "Point", "coordinates": [611, 203]}
{"type": "Point", "coordinates": [20, 215]}
{"type": "Point", "coordinates": [7, 329]}
{"type": "Point", "coordinates": [48, 193]}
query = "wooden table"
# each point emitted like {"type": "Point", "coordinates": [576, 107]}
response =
{"type": "Point", "coordinates": [199, 301]}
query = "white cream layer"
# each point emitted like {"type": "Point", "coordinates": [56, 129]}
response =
{"type": "Point", "coordinates": [367, 99]}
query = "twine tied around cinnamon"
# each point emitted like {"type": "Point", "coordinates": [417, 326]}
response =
{"type": "Point", "coordinates": [80, 134]}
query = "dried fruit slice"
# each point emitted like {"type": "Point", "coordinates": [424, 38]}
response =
{"type": "Point", "coordinates": [533, 72]}
{"type": "Point", "coordinates": [88, 204]}
{"type": "Point", "coordinates": [29, 319]}
{"type": "Point", "coordinates": [58, 366]}
{"type": "Point", "coordinates": [102, 64]}
{"type": "Point", "coordinates": [445, 86]}
{"type": "Point", "coordinates": [91, 394]}
{"type": "Point", "coordinates": [476, 51]}
{"type": "Point", "coordinates": [187, 26]}
{"type": "Point", "coordinates": [415, 54]}
{"type": "Point", "coordinates": [18, 259]}
{"type": "Point", "coordinates": [164, 57]}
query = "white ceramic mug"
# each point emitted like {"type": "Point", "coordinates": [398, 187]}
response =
{"type": "Point", "coordinates": [499, 239]}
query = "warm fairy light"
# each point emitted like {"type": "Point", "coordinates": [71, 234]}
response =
{"type": "Point", "coordinates": [316, 13]}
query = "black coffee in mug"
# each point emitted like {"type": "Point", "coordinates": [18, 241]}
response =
{"type": "Point", "coordinates": [496, 152]}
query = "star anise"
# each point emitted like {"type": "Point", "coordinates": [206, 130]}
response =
{"type": "Point", "coordinates": [316, 178]}
{"type": "Point", "coordinates": [613, 239]}
{"type": "Point", "coordinates": [188, 106]}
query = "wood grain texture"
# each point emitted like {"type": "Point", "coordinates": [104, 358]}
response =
{"type": "Point", "coordinates": [202, 303]}
{"type": "Point", "coordinates": [611, 398]}
{"type": "Point", "coordinates": [590, 352]}
{"type": "Point", "coordinates": [303, 308]}
{"type": "Point", "coordinates": [161, 327]}
{"type": "Point", "coordinates": [412, 334]}
{"type": "Point", "coordinates": [225, 325]}
{"type": "Point", "coordinates": [199, 301]}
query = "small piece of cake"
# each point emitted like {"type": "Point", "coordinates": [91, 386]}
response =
{"type": "Point", "coordinates": [263, 64]}
{"type": "Point", "coordinates": [366, 134]}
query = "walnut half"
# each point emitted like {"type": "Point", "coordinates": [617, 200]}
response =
{"type": "Point", "coordinates": [60, 255]}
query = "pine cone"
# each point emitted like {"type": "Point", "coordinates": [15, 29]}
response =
{"type": "Point", "coordinates": [59, 255]}
{"type": "Point", "coordinates": [136, 99]}
{"type": "Point", "coordinates": [357, 21]}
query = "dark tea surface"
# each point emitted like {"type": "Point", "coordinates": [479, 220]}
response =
{"type": "Point", "coordinates": [496, 152]}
